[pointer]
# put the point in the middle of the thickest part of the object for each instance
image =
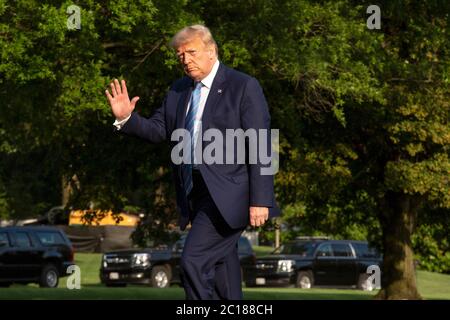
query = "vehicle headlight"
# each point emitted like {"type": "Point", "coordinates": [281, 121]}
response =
{"type": "Point", "coordinates": [286, 265]}
{"type": "Point", "coordinates": [105, 263]}
{"type": "Point", "coordinates": [141, 260]}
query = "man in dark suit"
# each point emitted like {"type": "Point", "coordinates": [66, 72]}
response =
{"type": "Point", "coordinates": [218, 200]}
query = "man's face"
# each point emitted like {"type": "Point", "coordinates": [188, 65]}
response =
{"type": "Point", "coordinates": [196, 58]}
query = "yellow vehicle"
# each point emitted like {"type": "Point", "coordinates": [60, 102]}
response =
{"type": "Point", "coordinates": [101, 218]}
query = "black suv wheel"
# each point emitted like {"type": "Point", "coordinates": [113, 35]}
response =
{"type": "Point", "coordinates": [160, 277]}
{"type": "Point", "coordinates": [49, 276]}
{"type": "Point", "coordinates": [304, 280]}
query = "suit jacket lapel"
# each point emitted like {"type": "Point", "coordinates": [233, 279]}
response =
{"type": "Point", "coordinates": [182, 105]}
{"type": "Point", "coordinates": [215, 93]}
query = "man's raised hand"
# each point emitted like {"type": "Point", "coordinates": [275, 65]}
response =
{"type": "Point", "coordinates": [121, 105]}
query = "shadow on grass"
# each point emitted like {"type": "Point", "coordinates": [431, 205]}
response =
{"type": "Point", "coordinates": [138, 292]}
{"type": "Point", "coordinates": [306, 294]}
{"type": "Point", "coordinates": [91, 292]}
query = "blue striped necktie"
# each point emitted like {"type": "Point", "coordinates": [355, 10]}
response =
{"type": "Point", "coordinates": [189, 124]}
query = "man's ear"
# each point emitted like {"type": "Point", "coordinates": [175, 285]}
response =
{"type": "Point", "coordinates": [211, 52]}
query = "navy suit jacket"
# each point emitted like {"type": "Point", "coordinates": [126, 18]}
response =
{"type": "Point", "coordinates": [235, 101]}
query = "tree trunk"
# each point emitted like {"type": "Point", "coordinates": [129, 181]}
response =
{"type": "Point", "coordinates": [398, 216]}
{"type": "Point", "coordinates": [66, 190]}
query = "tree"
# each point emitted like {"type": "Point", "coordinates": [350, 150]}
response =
{"type": "Point", "coordinates": [415, 165]}
{"type": "Point", "coordinates": [363, 113]}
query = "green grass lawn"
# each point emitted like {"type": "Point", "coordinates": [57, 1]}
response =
{"type": "Point", "coordinates": [431, 286]}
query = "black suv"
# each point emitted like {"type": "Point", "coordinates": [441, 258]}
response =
{"type": "Point", "coordinates": [308, 262]}
{"type": "Point", "coordinates": [159, 267]}
{"type": "Point", "coordinates": [34, 254]}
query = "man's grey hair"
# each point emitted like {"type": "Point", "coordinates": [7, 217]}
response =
{"type": "Point", "coordinates": [190, 32]}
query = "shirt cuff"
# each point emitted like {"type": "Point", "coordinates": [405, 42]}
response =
{"type": "Point", "coordinates": [120, 124]}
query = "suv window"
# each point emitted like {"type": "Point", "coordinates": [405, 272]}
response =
{"type": "Point", "coordinates": [22, 240]}
{"type": "Point", "coordinates": [244, 245]}
{"type": "Point", "coordinates": [49, 238]}
{"type": "Point", "coordinates": [302, 248]}
{"type": "Point", "coordinates": [325, 250]}
{"type": "Point", "coordinates": [342, 250]}
{"type": "Point", "coordinates": [4, 241]}
{"type": "Point", "coordinates": [364, 251]}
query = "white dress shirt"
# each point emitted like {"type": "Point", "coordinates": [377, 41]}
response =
{"type": "Point", "coordinates": [204, 92]}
